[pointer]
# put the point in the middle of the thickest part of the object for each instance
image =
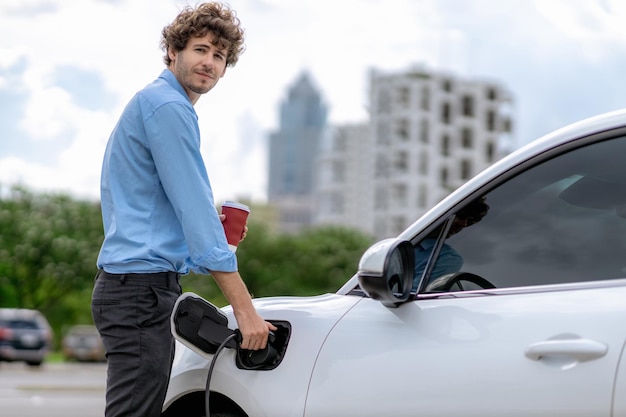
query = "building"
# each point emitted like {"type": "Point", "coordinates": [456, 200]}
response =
{"type": "Point", "coordinates": [342, 183]}
{"type": "Point", "coordinates": [292, 152]}
{"type": "Point", "coordinates": [431, 133]}
{"type": "Point", "coordinates": [428, 133]}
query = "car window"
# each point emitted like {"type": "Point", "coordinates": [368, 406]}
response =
{"type": "Point", "coordinates": [19, 324]}
{"type": "Point", "coordinates": [561, 221]}
{"type": "Point", "coordinates": [23, 324]}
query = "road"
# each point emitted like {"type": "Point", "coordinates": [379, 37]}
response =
{"type": "Point", "coordinates": [53, 390]}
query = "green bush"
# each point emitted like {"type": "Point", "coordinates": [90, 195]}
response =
{"type": "Point", "coordinates": [49, 245]}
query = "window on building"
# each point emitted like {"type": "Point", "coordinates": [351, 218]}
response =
{"type": "Point", "coordinates": [490, 151]}
{"type": "Point", "coordinates": [492, 93]}
{"type": "Point", "coordinates": [423, 168]}
{"type": "Point", "coordinates": [404, 97]}
{"type": "Point", "coordinates": [401, 162]}
{"type": "Point", "coordinates": [446, 85]}
{"type": "Point", "coordinates": [467, 105]}
{"type": "Point", "coordinates": [466, 169]}
{"type": "Point", "coordinates": [425, 98]}
{"type": "Point", "coordinates": [402, 129]}
{"type": "Point", "coordinates": [507, 125]}
{"type": "Point", "coordinates": [467, 138]}
{"type": "Point", "coordinates": [491, 120]}
{"type": "Point", "coordinates": [424, 130]}
{"type": "Point", "coordinates": [443, 177]}
{"type": "Point", "coordinates": [446, 116]}
{"type": "Point", "coordinates": [445, 145]}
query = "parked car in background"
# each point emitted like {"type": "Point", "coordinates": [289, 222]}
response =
{"type": "Point", "coordinates": [515, 309]}
{"type": "Point", "coordinates": [83, 343]}
{"type": "Point", "coordinates": [25, 336]}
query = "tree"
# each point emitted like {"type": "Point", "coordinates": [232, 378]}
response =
{"type": "Point", "coordinates": [315, 261]}
{"type": "Point", "coordinates": [48, 250]}
{"type": "Point", "coordinates": [49, 245]}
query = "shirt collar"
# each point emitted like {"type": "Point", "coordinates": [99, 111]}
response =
{"type": "Point", "coordinates": [170, 78]}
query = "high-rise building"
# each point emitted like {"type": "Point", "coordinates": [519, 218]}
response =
{"type": "Point", "coordinates": [428, 133]}
{"type": "Point", "coordinates": [432, 132]}
{"type": "Point", "coordinates": [292, 151]}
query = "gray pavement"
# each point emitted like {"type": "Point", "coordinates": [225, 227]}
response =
{"type": "Point", "coordinates": [53, 390]}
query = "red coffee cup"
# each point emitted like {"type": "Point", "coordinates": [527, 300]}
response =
{"type": "Point", "coordinates": [235, 222]}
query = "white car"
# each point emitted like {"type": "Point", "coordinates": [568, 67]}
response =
{"type": "Point", "coordinates": [517, 309]}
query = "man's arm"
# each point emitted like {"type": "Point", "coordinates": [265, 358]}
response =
{"type": "Point", "coordinates": [254, 330]}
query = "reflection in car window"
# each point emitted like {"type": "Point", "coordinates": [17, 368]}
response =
{"type": "Point", "coordinates": [561, 221]}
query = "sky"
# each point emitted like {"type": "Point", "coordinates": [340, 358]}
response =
{"type": "Point", "coordinates": [68, 68]}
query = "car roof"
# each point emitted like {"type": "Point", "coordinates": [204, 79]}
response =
{"type": "Point", "coordinates": [12, 314]}
{"type": "Point", "coordinates": [83, 328]}
{"type": "Point", "coordinates": [8, 313]}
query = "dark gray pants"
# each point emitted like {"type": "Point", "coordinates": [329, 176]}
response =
{"type": "Point", "coordinates": [132, 313]}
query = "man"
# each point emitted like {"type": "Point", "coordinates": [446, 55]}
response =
{"type": "Point", "coordinates": [448, 259]}
{"type": "Point", "coordinates": [159, 215]}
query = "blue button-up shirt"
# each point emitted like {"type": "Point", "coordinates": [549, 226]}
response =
{"type": "Point", "coordinates": [448, 261]}
{"type": "Point", "coordinates": [158, 209]}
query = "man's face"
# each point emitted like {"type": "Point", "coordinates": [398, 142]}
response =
{"type": "Point", "coordinates": [199, 66]}
{"type": "Point", "coordinates": [458, 224]}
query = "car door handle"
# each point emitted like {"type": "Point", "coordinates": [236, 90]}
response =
{"type": "Point", "coordinates": [576, 348]}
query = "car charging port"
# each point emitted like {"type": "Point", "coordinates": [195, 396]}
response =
{"type": "Point", "coordinates": [270, 357]}
{"type": "Point", "coordinates": [203, 328]}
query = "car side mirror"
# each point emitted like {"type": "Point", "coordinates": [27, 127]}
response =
{"type": "Point", "coordinates": [386, 271]}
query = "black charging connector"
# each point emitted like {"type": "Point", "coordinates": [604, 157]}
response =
{"type": "Point", "coordinates": [258, 359]}
{"type": "Point", "coordinates": [203, 327]}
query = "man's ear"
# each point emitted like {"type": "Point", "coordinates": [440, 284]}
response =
{"type": "Point", "coordinates": [172, 54]}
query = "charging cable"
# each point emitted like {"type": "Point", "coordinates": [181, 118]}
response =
{"type": "Point", "coordinates": [221, 347]}
{"type": "Point", "coordinates": [203, 327]}
{"type": "Point", "coordinates": [250, 359]}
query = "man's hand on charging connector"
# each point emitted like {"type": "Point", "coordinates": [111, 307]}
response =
{"type": "Point", "coordinates": [254, 332]}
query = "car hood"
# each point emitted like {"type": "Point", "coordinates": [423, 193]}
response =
{"type": "Point", "coordinates": [310, 319]}
{"type": "Point", "coordinates": [320, 308]}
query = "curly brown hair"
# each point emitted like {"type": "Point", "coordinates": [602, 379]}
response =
{"type": "Point", "coordinates": [213, 17]}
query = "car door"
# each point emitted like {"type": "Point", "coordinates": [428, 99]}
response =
{"type": "Point", "coordinates": [546, 354]}
{"type": "Point", "coordinates": [546, 340]}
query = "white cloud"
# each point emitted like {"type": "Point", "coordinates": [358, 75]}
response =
{"type": "Point", "coordinates": [47, 113]}
{"type": "Point", "coordinates": [596, 26]}
{"type": "Point", "coordinates": [19, 171]}
{"type": "Point", "coordinates": [552, 54]}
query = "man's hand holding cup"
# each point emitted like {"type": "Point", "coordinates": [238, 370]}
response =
{"type": "Point", "coordinates": [234, 219]}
